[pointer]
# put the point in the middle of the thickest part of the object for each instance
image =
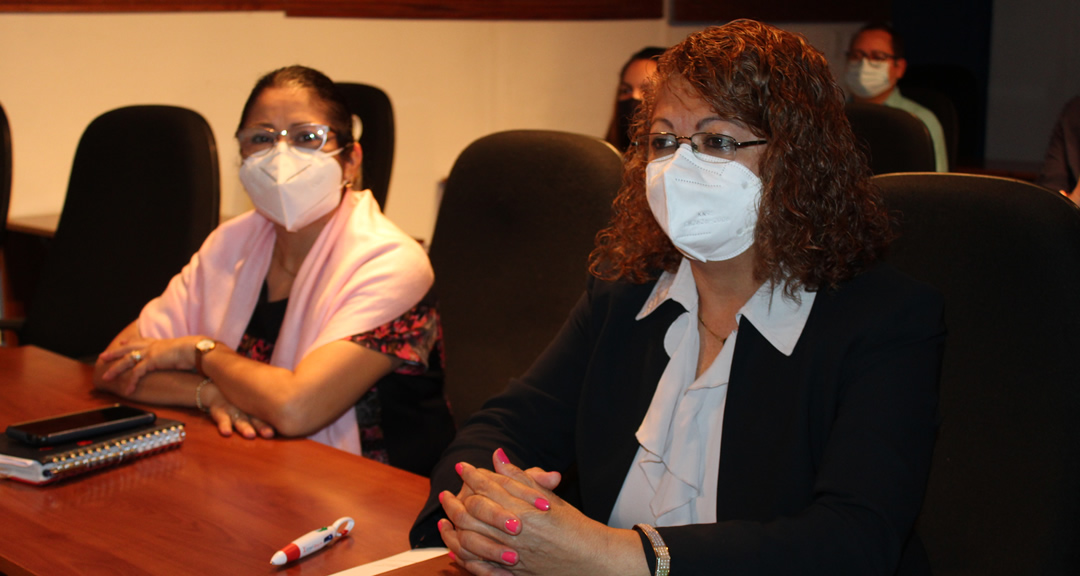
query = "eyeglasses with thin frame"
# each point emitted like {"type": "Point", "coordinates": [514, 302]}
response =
{"type": "Point", "coordinates": [305, 138]}
{"type": "Point", "coordinates": [876, 56]}
{"type": "Point", "coordinates": [662, 144]}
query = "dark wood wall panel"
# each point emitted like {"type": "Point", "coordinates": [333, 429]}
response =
{"type": "Point", "coordinates": [781, 10]}
{"type": "Point", "coordinates": [139, 5]}
{"type": "Point", "coordinates": [446, 9]}
{"type": "Point", "coordinates": [481, 9]}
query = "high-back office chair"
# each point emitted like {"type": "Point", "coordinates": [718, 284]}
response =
{"type": "Point", "coordinates": [894, 140]}
{"type": "Point", "coordinates": [1004, 491]}
{"type": "Point", "coordinates": [142, 197]}
{"type": "Point", "coordinates": [517, 221]}
{"type": "Point", "coordinates": [5, 175]}
{"type": "Point", "coordinates": [376, 114]}
{"type": "Point", "coordinates": [945, 111]}
{"type": "Point", "coordinates": [5, 193]}
{"type": "Point", "coordinates": [962, 88]}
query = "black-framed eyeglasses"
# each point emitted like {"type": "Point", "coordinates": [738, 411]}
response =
{"type": "Point", "coordinates": [306, 138]}
{"type": "Point", "coordinates": [876, 56]}
{"type": "Point", "coordinates": [661, 144]}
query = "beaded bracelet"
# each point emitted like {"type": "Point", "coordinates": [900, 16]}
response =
{"type": "Point", "coordinates": [663, 557]}
{"type": "Point", "coordinates": [198, 396]}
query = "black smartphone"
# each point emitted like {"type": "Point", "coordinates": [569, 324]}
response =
{"type": "Point", "coordinates": [79, 425]}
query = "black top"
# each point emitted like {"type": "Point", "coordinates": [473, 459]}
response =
{"type": "Point", "coordinates": [404, 419]}
{"type": "Point", "coordinates": [825, 452]}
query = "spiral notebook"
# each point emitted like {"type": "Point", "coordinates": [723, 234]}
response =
{"type": "Point", "coordinates": [42, 465]}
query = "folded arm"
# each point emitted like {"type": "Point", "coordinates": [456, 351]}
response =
{"type": "Point", "coordinates": [326, 382]}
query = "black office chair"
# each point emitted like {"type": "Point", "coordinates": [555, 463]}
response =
{"type": "Point", "coordinates": [893, 140]}
{"type": "Point", "coordinates": [945, 111]}
{"type": "Point", "coordinates": [142, 197]}
{"type": "Point", "coordinates": [1004, 490]}
{"type": "Point", "coordinates": [516, 224]}
{"type": "Point", "coordinates": [5, 176]}
{"type": "Point", "coordinates": [5, 195]}
{"type": "Point", "coordinates": [376, 113]}
{"type": "Point", "coordinates": [962, 88]}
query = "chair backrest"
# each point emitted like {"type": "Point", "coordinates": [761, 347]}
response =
{"type": "Point", "coordinates": [376, 114]}
{"type": "Point", "coordinates": [5, 196]}
{"type": "Point", "coordinates": [968, 95]}
{"type": "Point", "coordinates": [894, 140]}
{"type": "Point", "coordinates": [5, 179]}
{"type": "Point", "coordinates": [1004, 491]}
{"type": "Point", "coordinates": [142, 197]}
{"type": "Point", "coordinates": [517, 221]}
{"type": "Point", "coordinates": [942, 106]}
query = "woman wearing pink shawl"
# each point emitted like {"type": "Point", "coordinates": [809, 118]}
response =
{"type": "Point", "coordinates": [305, 317]}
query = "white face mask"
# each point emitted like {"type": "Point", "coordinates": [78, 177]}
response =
{"type": "Point", "coordinates": [293, 188]}
{"type": "Point", "coordinates": [868, 79]}
{"type": "Point", "coordinates": [707, 206]}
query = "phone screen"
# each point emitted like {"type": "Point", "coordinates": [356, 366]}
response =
{"type": "Point", "coordinates": [78, 425]}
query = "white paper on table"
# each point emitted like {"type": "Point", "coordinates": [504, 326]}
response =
{"type": "Point", "coordinates": [393, 562]}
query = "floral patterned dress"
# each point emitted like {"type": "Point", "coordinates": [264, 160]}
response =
{"type": "Point", "coordinates": [416, 338]}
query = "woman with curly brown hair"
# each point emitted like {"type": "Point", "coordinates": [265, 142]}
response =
{"type": "Point", "coordinates": [745, 388]}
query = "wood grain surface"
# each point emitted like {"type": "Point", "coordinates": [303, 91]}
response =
{"type": "Point", "coordinates": [214, 506]}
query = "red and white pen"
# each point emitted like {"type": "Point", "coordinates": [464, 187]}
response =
{"type": "Point", "coordinates": [313, 541]}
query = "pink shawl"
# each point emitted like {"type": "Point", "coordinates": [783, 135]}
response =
{"type": "Point", "coordinates": [361, 273]}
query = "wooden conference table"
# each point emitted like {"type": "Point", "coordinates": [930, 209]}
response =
{"type": "Point", "coordinates": [214, 506]}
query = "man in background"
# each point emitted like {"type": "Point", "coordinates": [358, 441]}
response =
{"type": "Point", "coordinates": [875, 64]}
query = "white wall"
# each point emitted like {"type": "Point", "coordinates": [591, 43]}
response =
{"type": "Point", "coordinates": [450, 82]}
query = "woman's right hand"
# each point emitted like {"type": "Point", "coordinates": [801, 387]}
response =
{"type": "Point", "coordinates": [229, 418]}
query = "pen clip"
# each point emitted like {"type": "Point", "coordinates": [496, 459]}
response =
{"type": "Point", "coordinates": [342, 526]}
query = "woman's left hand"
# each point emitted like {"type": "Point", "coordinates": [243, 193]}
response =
{"type": "Point", "coordinates": [132, 360]}
{"type": "Point", "coordinates": [228, 417]}
{"type": "Point", "coordinates": [119, 359]}
{"type": "Point", "coordinates": [559, 540]}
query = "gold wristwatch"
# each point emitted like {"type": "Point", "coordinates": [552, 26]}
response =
{"type": "Point", "coordinates": [202, 348]}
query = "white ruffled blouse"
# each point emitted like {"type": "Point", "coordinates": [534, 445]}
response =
{"type": "Point", "coordinates": [673, 480]}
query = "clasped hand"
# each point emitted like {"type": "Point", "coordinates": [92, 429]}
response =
{"type": "Point", "coordinates": [510, 522]}
{"type": "Point", "coordinates": [127, 362]}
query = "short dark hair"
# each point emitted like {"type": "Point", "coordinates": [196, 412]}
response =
{"type": "Point", "coordinates": [897, 39]}
{"type": "Point", "coordinates": [337, 109]}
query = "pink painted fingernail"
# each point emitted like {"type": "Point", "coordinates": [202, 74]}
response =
{"type": "Point", "coordinates": [452, 556]}
{"type": "Point", "coordinates": [513, 526]}
{"type": "Point", "coordinates": [542, 504]}
{"type": "Point", "coordinates": [460, 468]}
{"type": "Point", "coordinates": [509, 557]}
{"type": "Point", "coordinates": [501, 456]}
{"type": "Point", "coordinates": [441, 494]}
{"type": "Point", "coordinates": [440, 523]}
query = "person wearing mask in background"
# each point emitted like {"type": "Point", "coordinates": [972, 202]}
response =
{"type": "Point", "coordinates": [875, 63]}
{"type": "Point", "coordinates": [631, 80]}
{"type": "Point", "coordinates": [307, 316]}
{"type": "Point", "coordinates": [1061, 168]}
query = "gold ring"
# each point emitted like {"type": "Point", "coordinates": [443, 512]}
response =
{"type": "Point", "coordinates": [136, 356]}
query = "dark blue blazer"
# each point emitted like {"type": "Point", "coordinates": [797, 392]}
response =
{"type": "Point", "coordinates": [825, 452]}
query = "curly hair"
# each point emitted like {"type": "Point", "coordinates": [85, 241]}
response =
{"type": "Point", "coordinates": [820, 221]}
